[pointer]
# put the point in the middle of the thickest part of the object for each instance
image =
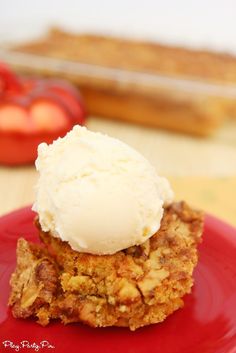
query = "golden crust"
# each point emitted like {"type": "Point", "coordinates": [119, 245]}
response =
{"type": "Point", "coordinates": [134, 55]}
{"type": "Point", "coordinates": [34, 282]}
{"type": "Point", "coordinates": [135, 287]}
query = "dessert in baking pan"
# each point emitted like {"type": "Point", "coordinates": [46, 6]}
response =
{"type": "Point", "coordinates": [175, 88]}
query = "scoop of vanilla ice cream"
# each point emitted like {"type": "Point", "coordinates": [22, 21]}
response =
{"type": "Point", "coordinates": [97, 193]}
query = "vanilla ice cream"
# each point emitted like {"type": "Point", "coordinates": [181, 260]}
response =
{"type": "Point", "coordinates": [97, 193]}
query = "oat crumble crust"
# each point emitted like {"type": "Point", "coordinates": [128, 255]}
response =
{"type": "Point", "coordinates": [134, 287]}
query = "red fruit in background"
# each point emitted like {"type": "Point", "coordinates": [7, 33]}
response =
{"type": "Point", "coordinates": [34, 111]}
{"type": "Point", "coordinates": [8, 80]}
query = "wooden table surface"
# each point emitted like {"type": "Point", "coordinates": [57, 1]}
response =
{"type": "Point", "coordinates": [202, 172]}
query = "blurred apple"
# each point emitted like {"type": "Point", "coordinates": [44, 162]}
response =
{"type": "Point", "coordinates": [34, 111]}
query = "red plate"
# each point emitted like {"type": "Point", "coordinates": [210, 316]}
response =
{"type": "Point", "coordinates": [206, 324]}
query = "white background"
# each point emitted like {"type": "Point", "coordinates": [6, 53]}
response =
{"type": "Point", "coordinates": [202, 23]}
